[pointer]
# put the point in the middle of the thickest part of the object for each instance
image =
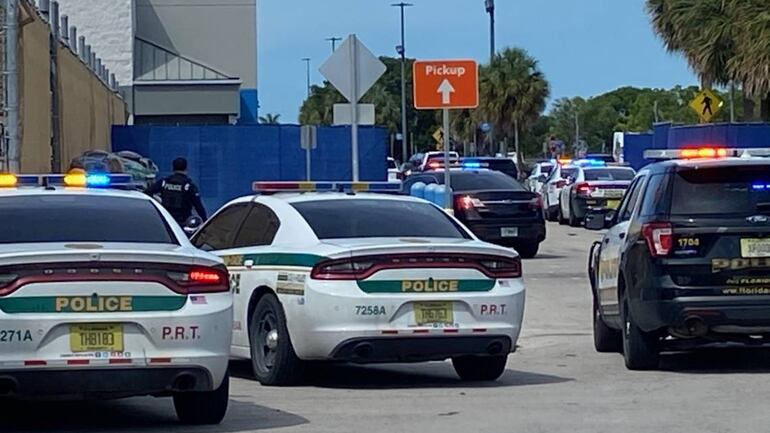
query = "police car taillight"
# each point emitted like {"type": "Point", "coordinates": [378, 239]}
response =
{"type": "Point", "coordinates": [5, 281]}
{"type": "Point", "coordinates": [659, 237]}
{"type": "Point", "coordinates": [201, 280]}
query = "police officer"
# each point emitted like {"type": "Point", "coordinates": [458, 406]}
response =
{"type": "Point", "coordinates": [179, 194]}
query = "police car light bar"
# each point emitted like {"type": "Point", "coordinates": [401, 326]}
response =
{"type": "Point", "coordinates": [81, 180]}
{"type": "Point", "coordinates": [274, 187]}
{"type": "Point", "coordinates": [705, 153]}
{"type": "Point", "coordinates": [589, 163]}
{"type": "Point", "coordinates": [474, 164]}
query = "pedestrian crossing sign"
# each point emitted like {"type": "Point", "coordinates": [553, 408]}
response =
{"type": "Point", "coordinates": [707, 104]}
{"type": "Point", "coordinates": [439, 136]}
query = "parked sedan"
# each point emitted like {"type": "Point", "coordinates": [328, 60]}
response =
{"type": "Point", "coordinates": [558, 179]}
{"type": "Point", "coordinates": [593, 188]}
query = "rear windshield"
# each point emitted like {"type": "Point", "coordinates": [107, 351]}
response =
{"type": "Point", "coordinates": [371, 218]}
{"type": "Point", "coordinates": [506, 166]}
{"type": "Point", "coordinates": [82, 218]}
{"type": "Point", "coordinates": [566, 173]}
{"type": "Point", "coordinates": [481, 181]}
{"type": "Point", "coordinates": [546, 169]}
{"type": "Point", "coordinates": [722, 190]}
{"type": "Point", "coordinates": [391, 164]}
{"type": "Point", "coordinates": [609, 174]}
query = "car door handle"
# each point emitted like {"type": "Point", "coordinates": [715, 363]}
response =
{"type": "Point", "coordinates": [622, 236]}
{"type": "Point", "coordinates": [607, 240]}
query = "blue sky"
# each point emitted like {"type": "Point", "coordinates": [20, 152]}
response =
{"type": "Point", "coordinates": [585, 47]}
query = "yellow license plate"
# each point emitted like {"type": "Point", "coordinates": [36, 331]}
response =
{"type": "Point", "coordinates": [753, 248]}
{"type": "Point", "coordinates": [613, 204]}
{"type": "Point", "coordinates": [426, 313]}
{"type": "Point", "coordinates": [101, 337]}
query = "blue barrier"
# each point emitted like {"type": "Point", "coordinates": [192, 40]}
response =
{"type": "Point", "coordinates": [225, 160]}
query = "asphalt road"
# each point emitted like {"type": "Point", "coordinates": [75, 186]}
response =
{"type": "Point", "coordinates": [556, 382]}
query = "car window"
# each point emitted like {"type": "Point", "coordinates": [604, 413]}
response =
{"type": "Point", "coordinates": [546, 169]}
{"type": "Point", "coordinates": [653, 202]}
{"type": "Point", "coordinates": [629, 202]}
{"type": "Point", "coordinates": [391, 164]}
{"type": "Point", "coordinates": [568, 172]}
{"type": "Point", "coordinates": [372, 218]}
{"type": "Point", "coordinates": [258, 229]}
{"type": "Point", "coordinates": [743, 191]}
{"type": "Point", "coordinates": [82, 218]}
{"type": "Point", "coordinates": [609, 174]}
{"type": "Point", "coordinates": [219, 233]}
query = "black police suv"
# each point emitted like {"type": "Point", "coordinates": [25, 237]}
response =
{"type": "Point", "coordinates": [494, 206]}
{"type": "Point", "coordinates": [685, 260]}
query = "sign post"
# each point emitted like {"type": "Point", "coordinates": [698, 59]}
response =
{"type": "Point", "coordinates": [443, 85]}
{"type": "Point", "coordinates": [353, 70]}
{"type": "Point", "coordinates": [308, 141]}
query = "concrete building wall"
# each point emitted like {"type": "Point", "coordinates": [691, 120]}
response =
{"type": "Point", "coordinates": [108, 27]}
{"type": "Point", "coordinates": [220, 34]}
{"type": "Point", "coordinates": [34, 96]}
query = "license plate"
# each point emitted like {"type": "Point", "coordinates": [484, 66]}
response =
{"type": "Point", "coordinates": [753, 248]}
{"type": "Point", "coordinates": [101, 337]}
{"type": "Point", "coordinates": [614, 193]}
{"type": "Point", "coordinates": [509, 232]}
{"type": "Point", "coordinates": [428, 313]}
{"type": "Point", "coordinates": [613, 204]}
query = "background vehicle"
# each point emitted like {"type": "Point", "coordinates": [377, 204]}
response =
{"type": "Point", "coordinates": [603, 157]}
{"type": "Point", "coordinates": [685, 260]}
{"type": "Point", "coordinates": [143, 171]}
{"type": "Point", "coordinates": [362, 278]}
{"type": "Point", "coordinates": [438, 157]}
{"type": "Point", "coordinates": [394, 174]}
{"type": "Point", "coordinates": [593, 187]}
{"type": "Point", "coordinates": [539, 175]}
{"type": "Point", "coordinates": [558, 179]}
{"type": "Point", "coordinates": [493, 206]}
{"type": "Point", "coordinates": [108, 299]}
{"type": "Point", "coordinates": [503, 165]}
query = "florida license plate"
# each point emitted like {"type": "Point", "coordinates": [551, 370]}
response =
{"type": "Point", "coordinates": [101, 337]}
{"type": "Point", "coordinates": [753, 248]}
{"type": "Point", "coordinates": [613, 204]}
{"type": "Point", "coordinates": [429, 313]}
{"type": "Point", "coordinates": [509, 232]}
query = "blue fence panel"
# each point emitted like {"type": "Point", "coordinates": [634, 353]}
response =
{"type": "Point", "coordinates": [225, 160]}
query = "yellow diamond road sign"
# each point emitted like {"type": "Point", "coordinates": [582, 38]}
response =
{"type": "Point", "coordinates": [439, 136]}
{"type": "Point", "coordinates": [706, 104]}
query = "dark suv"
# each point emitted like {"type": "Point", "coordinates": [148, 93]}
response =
{"type": "Point", "coordinates": [686, 260]}
{"type": "Point", "coordinates": [495, 207]}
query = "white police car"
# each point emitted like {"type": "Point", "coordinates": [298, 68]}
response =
{"type": "Point", "coordinates": [364, 278]}
{"type": "Point", "coordinates": [102, 296]}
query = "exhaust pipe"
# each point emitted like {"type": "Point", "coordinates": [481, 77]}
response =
{"type": "Point", "coordinates": [495, 348]}
{"type": "Point", "coordinates": [185, 382]}
{"type": "Point", "coordinates": [363, 350]}
{"type": "Point", "coordinates": [695, 326]}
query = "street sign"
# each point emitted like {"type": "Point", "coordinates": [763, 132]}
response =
{"type": "Point", "coordinates": [353, 69]}
{"type": "Point", "coordinates": [308, 139]}
{"type": "Point", "coordinates": [343, 114]}
{"type": "Point", "coordinates": [707, 104]}
{"type": "Point", "coordinates": [439, 136]}
{"type": "Point", "coordinates": [446, 84]}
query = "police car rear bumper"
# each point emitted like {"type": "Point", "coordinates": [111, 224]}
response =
{"type": "Point", "coordinates": [103, 383]}
{"type": "Point", "coordinates": [417, 349]}
{"type": "Point", "coordinates": [532, 231]}
{"type": "Point", "coordinates": [711, 312]}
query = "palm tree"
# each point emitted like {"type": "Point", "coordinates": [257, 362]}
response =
{"type": "Point", "coordinates": [751, 64]}
{"type": "Point", "coordinates": [270, 119]}
{"type": "Point", "coordinates": [513, 91]}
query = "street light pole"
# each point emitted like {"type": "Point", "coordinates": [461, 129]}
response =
{"type": "Point", "coordinates": [334, 41]}
{"type": "Point", "coordinates": [490, 6]}
{"type": "Point", "coordinates": [307, 63]}
{"type": "Point", "coordinates": [402, 50]}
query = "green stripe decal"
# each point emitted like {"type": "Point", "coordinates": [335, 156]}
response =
{"type": "Point", "coordinates": [276, 259]}
{"type": "Point", "coordinates": [90, 304]}
{"type": "Point", "coordinates": [426, 286]}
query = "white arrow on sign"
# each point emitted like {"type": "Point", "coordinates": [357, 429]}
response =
{"type": "Point", "coordinates": [446, 91]}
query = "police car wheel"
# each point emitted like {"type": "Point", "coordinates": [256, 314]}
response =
{"type": "Point", "coordinates": [560, 217]}
{"type": "Point", "coordinates": [640, 349]}
{"type": "Point", "coordinates": [551, 215]}
{"type": "Point", "coordinates": [528, 250]}
{"type": "Point", "coordinates": [479, 368]}
{"type": "Point", "coordinates": [203, 408]}
{"type": "Point", "coordinates": [606, 339]}
{"type": "Point", "coordinates": [573, 221]}
{"type": "Point", "coordinates": [272, 355]}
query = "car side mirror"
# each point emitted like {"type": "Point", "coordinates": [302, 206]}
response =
{"type": "Point", "coordinates": [597, 219]}
{"type": "Point", "coordinates": [192, 225]}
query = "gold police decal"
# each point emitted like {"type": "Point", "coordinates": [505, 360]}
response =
{"type": "Point", "coordinates": [720, 265]}
{"type": "Point", "coordinates": [429, 286]}
{"type": "Point", "coordinates": [93, 304]}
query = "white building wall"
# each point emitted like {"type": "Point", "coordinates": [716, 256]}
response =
{"type": "Point", "coordinates": [109, 28]}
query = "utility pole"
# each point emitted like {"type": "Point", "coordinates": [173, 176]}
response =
{"type": "Point", "coordinates": [307, 63]}
{"type": "Point", "coordinates": [490, 7]}
{"type": "Point", "coordinates": [334, 41]}
{"type": "Point", "coordinates": [401, 49]}
{"type": "Point", "coordinates": [577, 130]}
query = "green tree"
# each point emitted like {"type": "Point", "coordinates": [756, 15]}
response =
{"type": "Point", "coordinates": [270, 119]}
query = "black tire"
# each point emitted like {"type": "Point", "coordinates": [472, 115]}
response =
{"type": "Point", "coordinates": [551, 214]}
{"type": "Point", "coordinates": [203, 408]}
{"type": "Point", "coordinates": [641, 350]}
{"type": "Point", "coordinates": [560, 217]}
{"type": "Point", "coordinates": [272, 354]}
{"type": "Point", "coordinates": [606, 339]}
{"type": "Point", "coordinates": [480, 368]}
{"type": "Point", "coordinates": [528, 250]}
{"type": "Point", "coordinates": [573, 221]}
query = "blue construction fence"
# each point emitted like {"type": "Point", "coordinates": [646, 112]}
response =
{"type": "Point", "coordinates": [669, 136]}
{"type": "Point", "coordinates": [225, 160]}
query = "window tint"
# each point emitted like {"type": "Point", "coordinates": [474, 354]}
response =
{"type": "Point", "coordinates": [741, 190]}
{"type": "Point", "coordinates": [629, 203]}
{"type": "Point", "coordinates": [654, 199]}
{"type": "Point", "coordinates": [371, 218]}
{"type": "Point", "coordinates": [219, 233]}
{"type": "Point", "coordinates": [480, 181]}
{"type": "Point", "coordinates": [82, 218]}
{"type": "Point", "coordinates": [609, 174]}
{"type": "Point", "coordinates": [546, 169]}
{"type": "Point", "coordinates": [567, 173]}
{"type": "Point", "coordinates": [258, 229]}
{"type": "Point", "coordinates": [391, 164]}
